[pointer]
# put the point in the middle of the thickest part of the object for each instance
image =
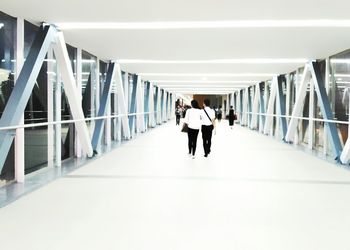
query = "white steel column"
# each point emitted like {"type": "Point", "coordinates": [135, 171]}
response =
{"type": "Point", "coordinates": [79, 67]}
{"type": "Point", "coordinates": [118, 120]}
{"type": "Point", "coordinates": [297, 110]}
{"type": "Point", "coordinates": [325, 135]}
{"type": "Point", "coordinates": [123, 106]}
{"type": "Point", "coordinates": [238, 106]}
{"type": "Point", "coordinates": [57, 117]}
{"type": "Point", "coordinates": [95, 92]}
{"type": "Point", "coordinates": [277, 117]}
{"type": "Point", "coordinates": [126, 90]}
{"type": "Point", "coordinates": [19, 139]}
{"type": "Point", "coordinates": [298, 128]}
{"type": "Point", "coordinates": [270, 107]}
{"type": "Point", "coordinates": [159, 111]}
{"type": "Point", "coordinates": [245, 107]}
{"type": "Point", "coordinates": [139, 107]}
{"type": "Point", "coordinates": [288, 96]}
{"type": "Point", "coordinates": [72, 93]}
{"type": "Point", "coordinates": [108, 123]}
{"type": "Point", "coordinates": [152, 122]}
{"type": "Point", "coordinates": [311, 114]}
{"type": "Point", "coordinates": [164, 115]}
{"type": "Point", "coordinates": [51, 80]}
{"type": "Point", "coordinates": [255, 109]}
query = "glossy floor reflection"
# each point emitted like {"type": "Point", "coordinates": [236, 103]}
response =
{"type": "Point", "coordinates": [252, 192]}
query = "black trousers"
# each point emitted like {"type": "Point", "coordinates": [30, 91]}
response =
{"type": "Point", "coordinates": [177, 119]}
{"type": "Point", "coordinates": [207, 132]}
{"type": "Point", "coordinates": [192, 140]}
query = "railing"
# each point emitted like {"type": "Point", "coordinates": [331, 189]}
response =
{"type": "Point", "coordinates": [299, 117]}
{"type": "Point", "coordinates": [73, 121]}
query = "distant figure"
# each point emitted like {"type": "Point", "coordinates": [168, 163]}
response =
{"type": "Point", "coordinates": [219, 115]}
{"type": "Point", "coordinates": [208, 119]}
{"type": "Point", "coordinates": [231, 117]}
{"type": "Point", "coordinates": [178, 114]}
{"type": "Point", "coordinates": [193, 120]}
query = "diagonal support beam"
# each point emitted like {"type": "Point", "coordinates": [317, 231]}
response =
{"type": "Point", "coordinates": [241, 106]}
{"type": "Point", "coordinates": [262, 103]}
{"type": "Point", "coordinates": [245, 107]}
{"type": "Point", "coordinates": [122, 103]}
{"type": "Point", "coordinates": [281, 102]}
{"type": "Point", "coordinates": [96, 138]}
{"type": "Point", "coordinates": [22, 90]}
{"type": "Point", "coordinates": [298, 106]}
{"type": "Point", "coordinates": [139, 106]}
{"type": "Point", "coordinates": [133, 104]}
{"type": "Point", "coordinates": [254, 121]}
{"type": "Point", "coordinates": [325, 108]}
{"type": "Point", "coordinates": [249, 89]}
{"type": "Point", "coordinates": [270, 107]}
{"type": "Point", "coordinates": [147, 105]}
{"type": "Point", "coordinates": [72, 94]}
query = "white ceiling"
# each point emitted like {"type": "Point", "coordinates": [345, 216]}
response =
{"type": "Point", "coordinates": [196, 44]}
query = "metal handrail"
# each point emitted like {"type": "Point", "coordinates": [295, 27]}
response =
{"type": "Point", "coordinates": [300, 117]}
{"type": "Point", "coordinates": [72, 121]}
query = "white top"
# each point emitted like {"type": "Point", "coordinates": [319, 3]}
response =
{"type": "Point", "coordinates": [204, 116]}
{"type": "Point", "coordinates": [193, 118]}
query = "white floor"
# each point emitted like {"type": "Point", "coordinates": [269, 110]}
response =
{"type": "Point", "coordinates": [251, 193]}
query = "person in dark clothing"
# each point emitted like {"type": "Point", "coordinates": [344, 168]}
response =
{"type": "Point", "coordinates": [231, 116]}
{"type": "Point", "coordinates": [219, 115]}
{"type": "Point", "coordinates": [208, 119]}
{"type": "Point", "coordinates": [178, 115]}
{"type": "Point", "coordinates": [193, 120]}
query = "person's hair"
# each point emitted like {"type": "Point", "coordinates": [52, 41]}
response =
{"type": "Point", "coordinates": [231, 107]}
{"type": "Point", "coordinates": [206, 102]}
{"type": "Point", "coordinates": [194, 104]}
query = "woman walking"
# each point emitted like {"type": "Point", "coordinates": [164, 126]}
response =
{"type": "Point", "coordinates": [231, 117]}
{"type": "Point", "coordinates": [193, 120]}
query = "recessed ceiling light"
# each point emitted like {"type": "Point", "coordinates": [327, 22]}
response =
{"type": "Point", "coordinates": [211, 74]}
{"type": "Point", "coordinates": [217, 61]}
{"type": "Point", "coordinates": [201, 81]}
{"type": "Point", "coordinates": [319, 23]}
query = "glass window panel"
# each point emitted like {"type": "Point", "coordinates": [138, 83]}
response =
{"type": "Point", "coordinates": [7, 61]}
{"type": "Point", "coordinates": [36, 112]}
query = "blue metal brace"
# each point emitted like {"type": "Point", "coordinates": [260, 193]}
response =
{"type": "Point", "coordinates": [282, 104]}
{"type": "Point", "coordinates": [162, 105]}
{"type": "Point", "coordinates": [156, 105]}
{"type": "Point", "coordinates": [326, 110]}
{"type": "Point", "coordinates": [146, 103]}
{"type": "Point", "coordinates": [133, 104]}
{"type": "Point", "coordinates": [249, 105]}
{"type": "Point", "coordinates": [262, 103]}
{"type": "Point", "coordinates": [103, 106]}
{"type": "Point", "coordinates": [22, 90]}
{"type": "Point", "coordinates": [241, 105]}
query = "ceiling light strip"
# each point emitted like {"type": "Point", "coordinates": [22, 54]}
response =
{"type": "Point", "coordinates": [203, 81]}
{"type": "Point", "coordinates": [218, 61]}
{"type": "Point", "coordinates": [211, 74]}
{"type": "Point", "coordinates": [316, 23]}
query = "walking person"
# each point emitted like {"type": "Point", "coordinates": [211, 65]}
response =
{"type": "Point", "coordinates": [208, 119]}
{"type": "Point", "coordinates": [178, 114]}
{"type": "Point", "coordinates": [219, 115]}
{"type": "Point", "coordinates": [231, 117]}
{"type": "Point", "coordinates": [193, 120]}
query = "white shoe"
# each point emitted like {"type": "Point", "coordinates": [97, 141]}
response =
{"type": "Point", "coordinates": [193, 156]}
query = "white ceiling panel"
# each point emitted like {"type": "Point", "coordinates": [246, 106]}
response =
{"type": "Point", "coordinates": [196, 44]}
